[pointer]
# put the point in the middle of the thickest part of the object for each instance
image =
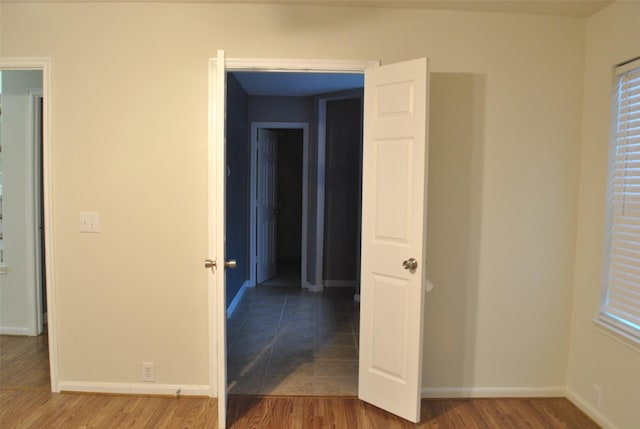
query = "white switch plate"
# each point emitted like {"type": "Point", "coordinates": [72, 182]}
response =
{"type": "Point", "coordinates": [89, 222]}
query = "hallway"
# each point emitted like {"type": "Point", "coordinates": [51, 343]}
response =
{"type": "Point", "coordinates": [289, 341]}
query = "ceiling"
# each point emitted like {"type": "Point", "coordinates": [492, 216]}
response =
{"type": "Point", "coordinates": [573, 8]}
{"type": "Point", "coordinates": [297, 84]}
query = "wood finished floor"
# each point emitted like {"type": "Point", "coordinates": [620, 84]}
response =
{"type": "Point", "coordinates": [35, 409]}
{"type": "Point", "coordinates": [24, 362]}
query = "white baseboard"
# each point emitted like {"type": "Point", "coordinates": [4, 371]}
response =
{"type": "Point", "coordinates": [10, 330]}
{"type": "Point", "coordinates": [134, 388]}
{"type": "Point", "coordinates": [237, 298]}
{"type": "Point", "coordinates": [493, 392]}
{"type": "Point", "coordinates": [589, 410]}
{"type": "Point", "coordinates": [340, 283]}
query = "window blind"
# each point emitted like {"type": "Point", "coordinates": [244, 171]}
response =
{"type": "Point", "coordinates": [621, 303]}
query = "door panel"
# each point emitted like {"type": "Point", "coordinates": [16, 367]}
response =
{"type": "Point", "coordinates": [393, 231]}
{"type": "Point", "coordinates": [217, 281]}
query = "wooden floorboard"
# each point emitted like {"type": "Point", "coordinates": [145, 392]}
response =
{"type": "Point", "coordinates": [34, 409]}
{"type": "Point", "coordinates": [333, 412]}
{"type": "Point", "coordinates": [21, 408]}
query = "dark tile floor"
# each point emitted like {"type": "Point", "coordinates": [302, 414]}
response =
{"type": "Point", "coordinates": [288, 341]}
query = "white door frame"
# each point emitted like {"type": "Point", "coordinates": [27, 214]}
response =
{"type": "Point", "coordinates": [217, 326]}
{"type": "Point", "coordinates": [304, 126]}
{"type": "Point", "coordinates": [44, 65]}
{"type": "Point", "coordinates": [34, 295]}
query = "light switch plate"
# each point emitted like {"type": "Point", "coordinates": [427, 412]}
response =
{"type": "Point", "coordinates": [89, 222]}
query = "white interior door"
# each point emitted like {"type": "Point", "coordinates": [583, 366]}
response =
{"type": "Point", "coordinates": [393, 231]}
{"type": "Point", "coordinates": [216, 197]}
{"type": "Point", "coordinates": [267, 203]}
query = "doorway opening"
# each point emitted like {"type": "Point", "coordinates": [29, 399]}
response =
{"type": "Point", "coordinates": [393, 207]}
{"type": "Point", "coordinates": [280, 225]}
{"type": "Point", "coordinates": [305, 189]}
{"type": "Point", "coordinates": [24, 331]}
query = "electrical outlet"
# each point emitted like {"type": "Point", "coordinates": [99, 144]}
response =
{"type": "Point", "coordinates": [597, 396]}
{"type": "Point", "coordinates": [148, 371]}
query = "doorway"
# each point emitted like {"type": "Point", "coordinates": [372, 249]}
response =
{"type": "Point", "coordinates": [395, 155]}
{"type": "Point", "coordinates": [25, 338]}
{"type": "Point", "coordinates": [278, 203]}
{"type": "Point", "coordinates": [284, 339]}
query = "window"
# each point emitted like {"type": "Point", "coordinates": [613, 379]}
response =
{"type": "Point", "coordinates": [620, 304]}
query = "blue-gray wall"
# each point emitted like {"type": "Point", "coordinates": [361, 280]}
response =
{"type": "Point", "coordinates": [343, 164]}
{"type": "Point", "coordinates": [238, 187]}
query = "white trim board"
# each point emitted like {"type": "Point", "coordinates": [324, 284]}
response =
{"type": "Point", "coordinates": [299, 65]}
{"type": "Point", "coordinates": [12, 330]}
{"type": "Point", "coordinates": [44, 64]}
{"type": "Point", "coordinates": [493, 392]}
{"type": "Point", "coordinates": [134, 388]}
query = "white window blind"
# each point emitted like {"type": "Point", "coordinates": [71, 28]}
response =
{"type": "Point", "coordinates": [621, 290]}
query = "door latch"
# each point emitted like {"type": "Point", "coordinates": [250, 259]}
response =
{"type": "Point", "coordinates": [208, 263]}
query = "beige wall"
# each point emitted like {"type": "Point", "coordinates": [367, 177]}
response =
{"type": "Point", "coordinates": [130, 137]}
{"type": "Point", "coordinates": [612, 37]}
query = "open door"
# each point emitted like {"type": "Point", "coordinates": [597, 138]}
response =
{"type": "Point", "coordinates": [216, 209]}
{"type": "Point", "coordinates": [393, 236]}
{"type": "Point", "coordinates": [267, 204]}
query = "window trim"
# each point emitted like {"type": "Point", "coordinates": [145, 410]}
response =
{"type": "Point", "coordinates": [608, 323]}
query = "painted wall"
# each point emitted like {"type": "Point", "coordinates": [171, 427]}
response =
{"type": "Point", "coordinates": [18, 282]}
{"type": "Point", "coordinates": [289, 191]}
{"type": "Point", "coordinates": [238, 187]}
{"type": "Point", "coordinates": [597, 357]}
{"type": "Point", "coordinates": [129, 84]}
{"type": "Point", "coordinates": [343, 172]}
{"type": "Point", "coordinates": [280, 109]}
